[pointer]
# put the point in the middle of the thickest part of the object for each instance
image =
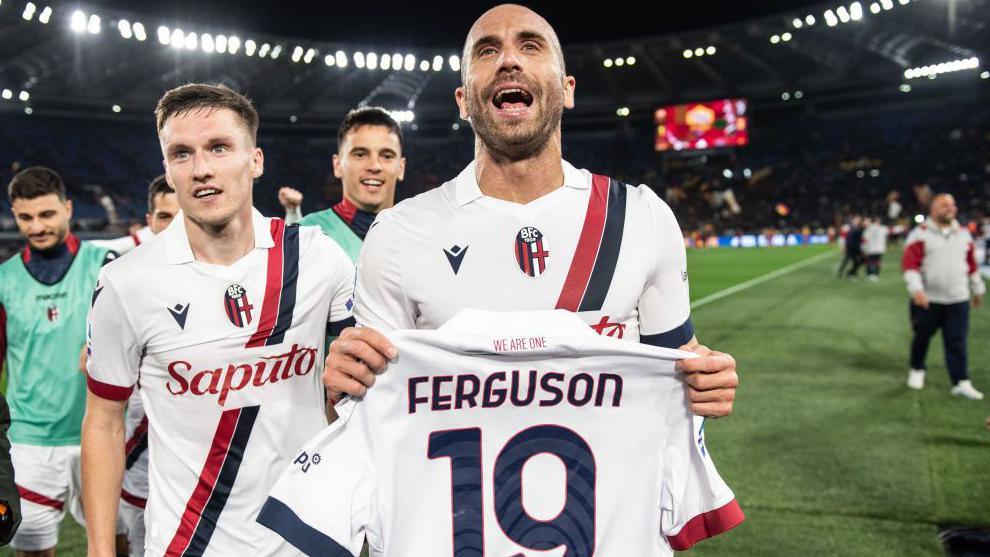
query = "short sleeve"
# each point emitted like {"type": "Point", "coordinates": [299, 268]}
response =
{"type": "Point", "coordinates": [695, 503]}
{"type": "Point", "coordinates": [112, 348]}
{"type": "Point", "coordinates": [322, 502]}
{"type": "Point", "coordinates": [380, 299]}
{"type": "Point", "coordinates": [665, 305]}
{"type": "Point", "coordinates": [342, 278]}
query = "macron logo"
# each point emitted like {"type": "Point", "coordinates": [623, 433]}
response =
{"type": "Point", "coordinates": [455, 256]}
{"type": "Point", "coordinates": [179, 313]}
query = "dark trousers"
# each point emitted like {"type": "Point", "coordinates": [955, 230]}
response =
{"type": "Point", "coordinates": [855, 257]}
{"type": "Point", "coordinates": [873, 264]}
{"type": "Point", "coordinates": [953, 319]}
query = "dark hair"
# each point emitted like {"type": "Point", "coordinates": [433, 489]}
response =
{"type": "Point", "coordinates": [195, 96]}
{"type": "Point", "coordinates": [368, 116]}
{"type": "Point", "coordinates": [158, 186]}
{"type": "Point", "coordinates": [35, 181]}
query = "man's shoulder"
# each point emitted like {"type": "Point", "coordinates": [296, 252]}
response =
{"type": "Point", "coordinates": [318, 218]}
{"type": "Point", "coordinates": [423, 208]}
{"type": "Point", "coordinates": [137, 264]}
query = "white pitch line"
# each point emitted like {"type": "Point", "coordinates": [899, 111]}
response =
{"type": "Point", "coordinates": [759, 280]}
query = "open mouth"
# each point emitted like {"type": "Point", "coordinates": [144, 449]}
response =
{"type": "Point", "coordinates": [372, 182]}
{"type": "Point", "coordinates": [513, 98]}
{"type": "Point", "coordinates": [204, 193]}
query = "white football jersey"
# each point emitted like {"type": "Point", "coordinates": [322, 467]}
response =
{"type": "Point", "coordinates": [509, 434]}
{"type": "Point", "coordinates": [125, 244]}
{"type": "Point", "coordinates": [229, 361]}
{"type": "Point", "coordinates": [610, 252]}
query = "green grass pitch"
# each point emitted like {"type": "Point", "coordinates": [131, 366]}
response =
{"type": "Point", "coordinates": [827, 451]}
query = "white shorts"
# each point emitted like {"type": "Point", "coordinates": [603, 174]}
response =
{"type": "Point", "coordinates": [132, 517]}
{"type": "Point", "coordinates": [50, 481]}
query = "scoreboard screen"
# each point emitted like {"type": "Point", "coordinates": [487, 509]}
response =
{"type": "Point", "coordinates": [702, 125]}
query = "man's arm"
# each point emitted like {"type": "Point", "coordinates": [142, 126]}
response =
{"type": "Point", "coordinates": [291, 200]}
{"type": "Point", "coordinates": [102, 471]}
{"type": "Point", "coordinates": [9, 496]}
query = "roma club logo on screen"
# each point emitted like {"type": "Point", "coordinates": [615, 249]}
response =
{"type": "Point", "coordinates": [702, 125]}
{"type": "Point", "coordinates": [235, 302]}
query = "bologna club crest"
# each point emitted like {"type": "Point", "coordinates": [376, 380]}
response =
{"type": "Point", "coordinates": [235, 301]}
{"type": "Point", "coordinates": [52, 312]}
{"type": "Point", "coordinates": [532, 251]}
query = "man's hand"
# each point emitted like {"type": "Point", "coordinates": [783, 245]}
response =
{"type": "Point", "coordinates": [289, 198]}
{"type": "Point", "coordinates": [354, 358]}
{"type": "Point", "coordinates": [977, 301]}
{"type": "Point", "coordinates": [711, 380]}
{"type": "Point", "coordinates": [920, 299]}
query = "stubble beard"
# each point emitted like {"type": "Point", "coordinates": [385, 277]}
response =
{"type": "Point", "coordinates": [514, 142]}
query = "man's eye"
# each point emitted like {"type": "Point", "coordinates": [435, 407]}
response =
{"type": "Point", "coordinates": [219, 148]}
{"type": "Point", "coordinates": [486, 51]}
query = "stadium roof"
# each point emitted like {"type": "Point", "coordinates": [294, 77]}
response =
{"type": "Point", "coordinates": [53, 60]}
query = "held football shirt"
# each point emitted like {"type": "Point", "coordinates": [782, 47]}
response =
{"type": "Point", "coordinates": [229, 361]}
{"type": "Point", "coordinates": [507, 434]}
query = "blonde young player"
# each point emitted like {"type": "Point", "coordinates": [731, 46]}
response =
{"type": "Point", "coordinates": [222, 318]}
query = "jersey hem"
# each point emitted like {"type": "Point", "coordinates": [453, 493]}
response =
{"type": "Point", "coordinates": [707, 525]}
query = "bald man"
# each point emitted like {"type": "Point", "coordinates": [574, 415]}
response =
{"type": "Point", "coordinates": [942, 276]}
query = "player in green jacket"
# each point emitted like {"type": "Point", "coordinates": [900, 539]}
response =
{"type": "Point", "coordinates": [45, 293]}
{"type": "Point", "coordinates": [369, 163]}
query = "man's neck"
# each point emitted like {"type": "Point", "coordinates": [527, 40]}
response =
{"type": "Point", "coordinates": [221, 245]}
{"type": "Point", "coordinates": [519, 181]}
{"type": "Point", "coordinates": [942, 225]}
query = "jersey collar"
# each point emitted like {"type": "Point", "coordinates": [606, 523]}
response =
{"type": "Point", "coordinates": [178, 250]}
{"type": "Point", "coordinates": [466, 187]}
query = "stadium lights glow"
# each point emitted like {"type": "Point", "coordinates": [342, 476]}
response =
{"type": "Point", "coordinates": [116, 108]}
{"type": "Point", "coordinates": [455, 126]}
{"type": "Point", "coordinates": [206, 43]}
{"type": "Point", "coordinates": [437, 63]}
{"type": "Point", "coordinates": [874, 173]}
{"type": "Point", "coordinates": [786, 36]}
{"type": "Point", "coordinates": [631, 60]}
{"type": "Point", "coordinates": [220, 43]}
{"type": "Point", "coordinates": [711, 50]}
{"type": "Point", "coordinates": [94, 24]}
{"type": "Point", "coordinates": [773, 40]}
{"type": "Point", "coordinates": [798, 94]}
{"type": "Point", "coordinates": [124, 27]}
{"type": "Point", "coordinates": [28, 110]}
{"type": "Point", "coordinates": [276, 51]}
{"type": "Point", "coordinates": [402, 116]}
{"type": "Point", "coordinates": [371, 60]}
{"type": "Point", "coordinates": [249, 47]}
{"type": "Point", "coordinates": [830, 18]}
{"type": "Point", "coordinates": [903, 2]}
{"type": "Point", "coordinates": [359, 59]}
{"type": "Point", "coordinates": [727, 173]}
{"type": "Point", "coordinates": [985, 75]}
{"type": "Point", "coordinates": [46, 15]}
{"type": "Point", "coordinates": [310, 54]}
{"type": "Point", "coordinates": [329, 60]}
{"type": "Point", "coordinates": [874, 8]}
{"type": "Point", "coordinates": [341, 59]}
{"type": "Point", "coordinates": [164, 35]}
{"type": "Point", "coordinates": [785, 96]}
{"type": "Point", "coordinates": [699, 51]}
{"type": "Point", "coordinates": [945, 67]}
{"type": "Point", "coordinates": [176, 39]}
{"type": "Point", "coordinates": [24, 96]}
{"type": "Point", "coordinates": [887, 4]}
{"type": "Point", "coordinates": [687, 54]}
{"type": "Point", "coordinates": [619, 62]}
{"type": "Point", "coordinates": [810, 19]}
{"type": "Point", "coordinates": [905, 88]}
{"type": "Point", "coordinates": [856, 11]}
{"type": "Point", "coordinates": [297, 54]}
{"type": "Point", "coordinates": [797, 23]}
{"type": "Point", "coordinates": [843, 14]}
{"type": "Point", "coordinates": [424, 65]}
{"type": "Point", "coordinates": [263, 51]}
{"type": "Point", "coordinates": [607, 62]}
{"type": "Point", "coordinates": [919, 219]}
{"type": "Point", "coordinates": [7, 94]}
{"type": "Point", "coordinates": [386, 63]}
{"type": "Point", "coordinates": [192, 41]}
{"type": "Point", "coordinates": [78, 22]}
{"type": "Point", "coordinates": [233, 44]}
{"type": "Point", "coordinates": [455, 62]}
{"type": "Point", "coordinates": [622, 111]}
{"type": "Point", "coordinates": [410, 63]}
{"type": "Point", "coordinates": [139, 32]}
{"type": "Point", "coordinates": [29, 10]}
{"type": "Point", "coordinates": [293, 118]}
{"type": "Point", "coordinates": [747, 173]}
